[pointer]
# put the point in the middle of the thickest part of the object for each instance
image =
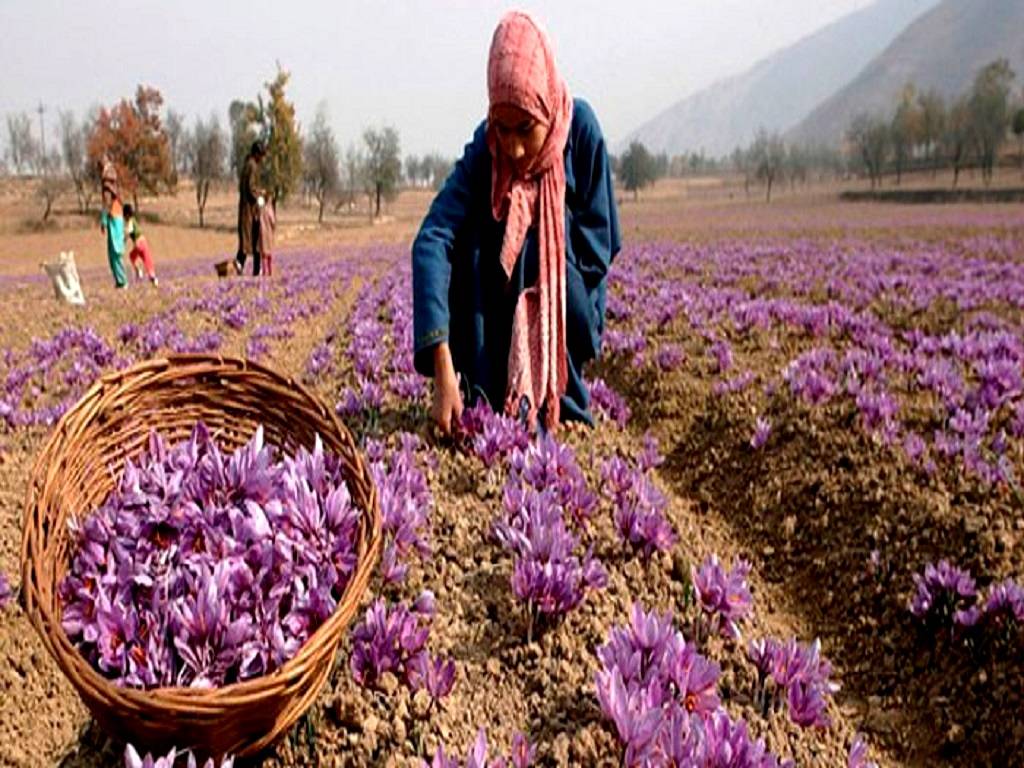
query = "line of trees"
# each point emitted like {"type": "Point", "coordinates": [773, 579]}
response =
{"type": "Point", "coordinates": [768, 160]}
{"type": "Point", "coordinates": [152, 148]}
{"type": "Point", "coordinates": [923, 132]}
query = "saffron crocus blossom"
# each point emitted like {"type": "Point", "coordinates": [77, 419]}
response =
{"type": "Point", "coordinates": [762, 431]}
{"type": "Point", "coordinates": [545, 490]}
{"type": "Point", "coordinates": [521, 756]}
{"type": "Point", "coordinates": [406, 502]}
{"type": "Point", "coordinates": [5, 591]}
{"type": "Point", "coordinates": [806, 705]}
{"type": "Point", "coordinates": [1005, 602]}
{"type": "Point", "coordinates": [942, 593]}
{"type": "Point", "coordinates": [721, 352]}
{"type": "Point", "coordinates": [728, 742]}
{"type": "Point", "coordinates": [133, 760]}
{"type": "Point", "coordinates": [433, 674]}
{"type": "Point", "coordinates": [548, 465]}
{"type": "Point", "coordinates": [669, 357]}
{"type": "Point", "coordinates": [392, 639]}
{"type": "Point", "coordinates": [1001, 618]}
{"type": "Point", "coordinates": [802, 679]}
{"type": "Point", "coordinates": [650, 456]}
{"type": "Point", "coordinates": [649, 678]}
{"type": "Point", "coordinates": [858, 756]}
{"type": "Point", "coordinates": [547, 575]}
{"type": "Point", "coordinates": [638, 506]}
{"type": "Point", "coordinates": [608, 403]}
{"type": "Point", "coordinates": [181, 577]}
{"type": "Point", "coordinates": [762, 654]}
{"type": "Point", "coordinates": [724, 596]}
{"type": "Point", "coordinates": [491, 436]}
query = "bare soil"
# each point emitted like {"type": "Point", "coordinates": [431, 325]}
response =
{"type": "Point", "coordinates": [807, 512]}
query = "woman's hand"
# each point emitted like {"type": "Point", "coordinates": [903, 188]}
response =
{"type": "Point", "coordinates": [447, 407]}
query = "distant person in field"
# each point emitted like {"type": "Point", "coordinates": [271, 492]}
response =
{"type": "Point", "coordinates": [268, 223]}
{"type": "Point", "coordinates": [140, 247]}
{"type": "Point", "coordinates": [251, 201]}
{"type": "Point", "coordinates": [509, 265]}
{"type": "Point", "coordinates": [108, 180]}
{"type": "Point", "coordinates": [112, 226]}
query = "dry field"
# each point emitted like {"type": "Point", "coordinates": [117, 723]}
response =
{"type": "Point", "coordinates": [818, 318]}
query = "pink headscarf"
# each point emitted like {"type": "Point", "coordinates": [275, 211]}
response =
{"type": "Point", "coordinates": [521, 71]}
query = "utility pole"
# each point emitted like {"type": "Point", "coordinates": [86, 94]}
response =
{"type": "Point", "coordinates": [42, 133]}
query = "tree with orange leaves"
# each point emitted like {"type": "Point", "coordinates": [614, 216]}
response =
{"type": "Point", "coordinates": [132, 135]}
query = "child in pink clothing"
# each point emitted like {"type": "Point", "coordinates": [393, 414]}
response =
{"type": "Point", "coordinates": [140, 247]}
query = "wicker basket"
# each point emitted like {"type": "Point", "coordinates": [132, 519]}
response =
{"type": "Point", "coordinates": [77, 469]}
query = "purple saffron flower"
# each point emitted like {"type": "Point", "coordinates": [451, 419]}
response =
{"type": "Point", "coordinates": [762, 431]}
{"type": "Point", "coordinates": [722, 354]}
{"type": "Point", "coordinates": [696, 680]}
{"type": "Point", "coordinates": [522, 755]}
{"type": "Point", "coordinates": [669, 357]}
{"type": "Point", "coordinates": [477, 757]}
{"type": "Point", "coordinates": [1003, 614]}
{"type": "Point", "coordinates": [762, 654]}
{"type": "Point", "coordinates": [807, 705]}
{"type": "Point", "coordinates": [132, 759]}
{"type": "Point", "coordinates": [390, 640]}
{"type": "Point", "coordinates": [858, 757]}
{"type": "Point", "coordinates": [608, 403]}
{"type": "Point", "coordinates": [723, 596]}
{"type": "Point", "coordinates": [728, 743]}
{"type": "Point", "coordinates": [636, 723]}
{"type": "Point", "coordinates": [941, 592]}
{"type": "Point", "coordinates": [650, 684]}
{"type": "Point", "coordinates": [5, 591]}
{"type": "Point", "coordinates": [523, 752]}
{"type": "Point", "coordinates": [638, 505]}
{"type": "Point", "coordinates": [650, 457]}
{"type": "Point", "coordinates": [433, 674]}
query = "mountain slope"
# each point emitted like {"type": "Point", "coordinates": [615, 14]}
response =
{"type": "Point", "coordinates": [943, 49]}
{"type": "Point", "coordinates": [779, 91]}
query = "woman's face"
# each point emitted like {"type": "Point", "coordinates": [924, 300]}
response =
{"type": "Point", "coordinates": [520, 135]}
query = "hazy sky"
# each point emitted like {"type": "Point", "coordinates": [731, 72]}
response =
{"type": "Point", "coordinates": [419, 66]}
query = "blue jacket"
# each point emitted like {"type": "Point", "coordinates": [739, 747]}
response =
{"type": "Point", "coordinates": [460, 293]}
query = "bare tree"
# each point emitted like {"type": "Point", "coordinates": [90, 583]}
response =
{"type": "Point", "coordinates": [320, 161]}
{"type": "Point", "coordinates": [412, 170]}
{"type": "Point", "coordinates": [904, 130]}
{"type": "Point", "coordinates": [22, 149]}
{"type": "Point", "coordinates": [177, 138]}
{"type": "Point", "coordinates": [769, 156]}
{"type": "Point", "coordinates": [797, 162]}
{"type": "Point", "coordinates": [383, 163]}
{"type": "Point", "coordinates": [353, 168]}
{"type": "Point", "coordinates": [869, 136]}
{"type": "Point", "coordinates": [990, 112]}
{"type": "Point", "coordinates": [932, 111]}
{"type": "Point", "coordinates": [207, 154]}
{"type": "Point", "coordinates": [740, 160]}
{"type": "Point", "coordinates": [51, 183]}
{"type": "Point", "coordinates": [958, 137]}
{"type": "Point", "coordinates": [72, 149]}
{"type": "Point", "coordinates": [1018, 131]}
{"type": "Point", "coordinates": [434, 169]}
